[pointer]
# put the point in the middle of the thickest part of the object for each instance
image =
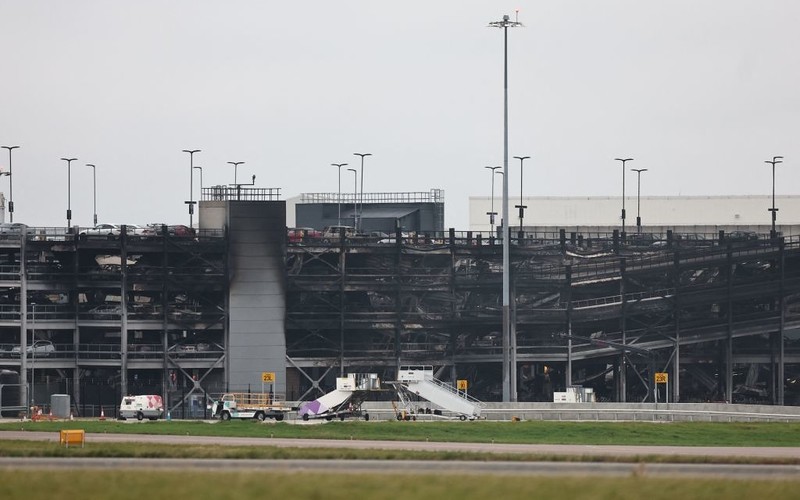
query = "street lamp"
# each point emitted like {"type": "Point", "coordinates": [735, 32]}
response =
{"type": "Point", "coordinates": [191, 183]}
{"type": "Point", "coordinates": [492, 213]}
{"type": "Point", "coordinates": [10, 183]}
{"type": "Point", "coordinates": [94, 190]}
{"type": "Point", "coordinates": [235, 169]}
{"type": "Point", "coordinates": [509, 356]}
{"type": "Point", "coordinates": [355, 195]}
{"type": "Point", "coordinates": [69, 189]}
{"type": "Point", "coordinates": [623, 160]}
{"type": "Point", "coordinates": [775, 159]}
{"type": "Point", "coordinates": [339, 197]}
{"type": "Point", "coordinates": [201, 179]}
{"type": "Point", "coordinates": [521, 207]}
{"type": "Point", "coordinates": [638, 197]}
{"type": "Point", "coordinates": [361, 201]}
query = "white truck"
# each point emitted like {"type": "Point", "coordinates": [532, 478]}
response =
{"type": "Point", "coordinates": [140, 407]}
{"type": "Point", "coordinates": [259, 406]}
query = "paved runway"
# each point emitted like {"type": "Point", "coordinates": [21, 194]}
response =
{"type": "Point", "coordinates": [534, 449]}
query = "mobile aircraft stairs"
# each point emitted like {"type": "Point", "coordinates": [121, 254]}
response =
{"type": "Point", "coordinates": [418, 381]}
{"type": "Point", "coordinates": [344, 401]}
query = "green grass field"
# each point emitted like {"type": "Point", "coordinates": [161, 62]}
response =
{"type": "Point", "coordinates": [156, 450]}
{"type": "Point", "coordinates": [592, 433]}
{"type": "Point", "coordinates": [136, 484]}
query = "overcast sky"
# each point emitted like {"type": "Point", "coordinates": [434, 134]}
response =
{"type": "Point", "coordinates": [698, 92]}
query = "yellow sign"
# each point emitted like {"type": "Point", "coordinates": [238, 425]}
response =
{"type": "Point", "coordinates": [662, 377]}
{"type": "Point", "coordinates": [462, 385]}
{"type": "Point", "coordinates": [268, 377]}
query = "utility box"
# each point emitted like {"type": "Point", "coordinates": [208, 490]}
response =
{"type": "Point", "coordinates": [575, 394]}
{"type": "Point", "coordinates": [59, 405]}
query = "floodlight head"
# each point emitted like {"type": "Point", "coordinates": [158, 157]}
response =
{"type": "Point", "coordinates": [506, 23]}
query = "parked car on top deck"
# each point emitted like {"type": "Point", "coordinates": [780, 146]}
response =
{"type": "Point", "coordinates": [113, 231]}
{"type": "Point", "coordinates": [178, 230]}
{"type": "Point", "coordinates": [11, 228]}
{"type": "Point", "coordinates": [300, 234]}
{"type": "Point", "coordinates": [333, 233]}
{"type": "Point", "coordinates": [741, 237]}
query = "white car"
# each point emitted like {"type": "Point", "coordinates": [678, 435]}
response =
{"type": "Point", "coordinates": [40, 348]}
{"type": "Point", "coordinates": [113, 231]}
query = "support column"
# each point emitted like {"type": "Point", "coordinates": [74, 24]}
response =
{"type": "Point", "coordinates": [729, 340]}
{"type": "Point", "coordinates": [568, 296]}
{"type": "Point", "coordinates": [165, 378]}
{"type": "Point", "coordinates": [342, 275]}
{"type": "Point", "coordinates": [398, 299]}
{"type": "Point", "coordinates": [123, 294]}
{"type": "Point", "coordinates": [513, 370]}
{"type": "Point", "coordinates": [24, 400]}
{"type": "Point", "coordinates": [676, 311]}
{"type": "Point", "coordinates": [623, 364]}
{"type": "Point", "coordinates": [782, 324]}
{"type": "Point", "coordinates": [453, 306]}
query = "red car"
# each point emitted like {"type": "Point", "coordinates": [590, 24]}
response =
{"type": "Point", "coordinates": [301, 234]}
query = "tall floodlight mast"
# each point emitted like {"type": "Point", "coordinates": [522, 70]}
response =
{"type": "Point", "coordinates": [509, 351]}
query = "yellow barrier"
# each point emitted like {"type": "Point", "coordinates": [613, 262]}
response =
{"type": "Point", "coordinates": [69, 437]}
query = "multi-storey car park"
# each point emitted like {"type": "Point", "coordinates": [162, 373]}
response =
{"type": "Point", "coordinates": [191, 317]}
{"type": "Point", "coordinates": [125, 314]}
{"type": "Point", "coordinates": [592, 310]}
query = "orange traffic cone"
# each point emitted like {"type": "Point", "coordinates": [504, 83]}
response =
{"type": "Point", "coordinates": [102, 414]}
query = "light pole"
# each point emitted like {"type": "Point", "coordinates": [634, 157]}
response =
{"type": "Point", "coordinates": [339, 197]}
{"type": "Point", "coordinates": [94, 190]}
{"type": "Point", "coordinates": [235, 169]}
{"type": "Point", "coordinates": [623, 160]}
{"type": "Point", "coordinates": [775, 160]}
{"type": "Point", "coordinates": [638, 197]}
{"type": "Point", "coordinates": [361, 200]}
{"type": "Point", "coordinates": [492, 213]}
{"type": "Point", "coordinates": [355, 195]}
{"type": "Point", "coordinates": [201, 180]}
{"type": "Point", "coordinates": [521, 207]}
{"type": "Point", "coordinates": [509, 356]}
{"type": "Point", "coordinates": [191, 184]}
{"type": "Point", "coordinates": [69, 189]}
{"type": "Point", "coordinates": [10, 183]}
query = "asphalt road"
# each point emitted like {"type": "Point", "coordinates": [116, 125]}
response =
{"type": "Point", "coordinates": [536, 449]}
{"type": "Point", "coordinates": [421, 466]}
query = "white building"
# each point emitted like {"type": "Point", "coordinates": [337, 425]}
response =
{"type": "Point", "coordinates": [706, 214]}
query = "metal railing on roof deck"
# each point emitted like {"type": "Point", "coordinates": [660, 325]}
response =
{"type": "Point", "coordinates": [432, 196]}
{"type": "Point", "coordinates": [239, 193]}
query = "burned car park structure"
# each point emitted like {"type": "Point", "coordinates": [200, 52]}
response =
{"type": "Point", "coordinates": [720, 319]}
{"type": "Point", "coordinates": [192, 315]}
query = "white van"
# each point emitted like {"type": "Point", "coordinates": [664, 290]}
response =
{"type": "Point", "coordinates": [141, 407]}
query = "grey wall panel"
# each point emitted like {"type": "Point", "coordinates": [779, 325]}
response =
{"type": "Point", "coordinates": [247, 301]}
{"type": "Point", "coordinates": [269, 319]}
{"type": "Point", "coordinates": [257, 294]}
